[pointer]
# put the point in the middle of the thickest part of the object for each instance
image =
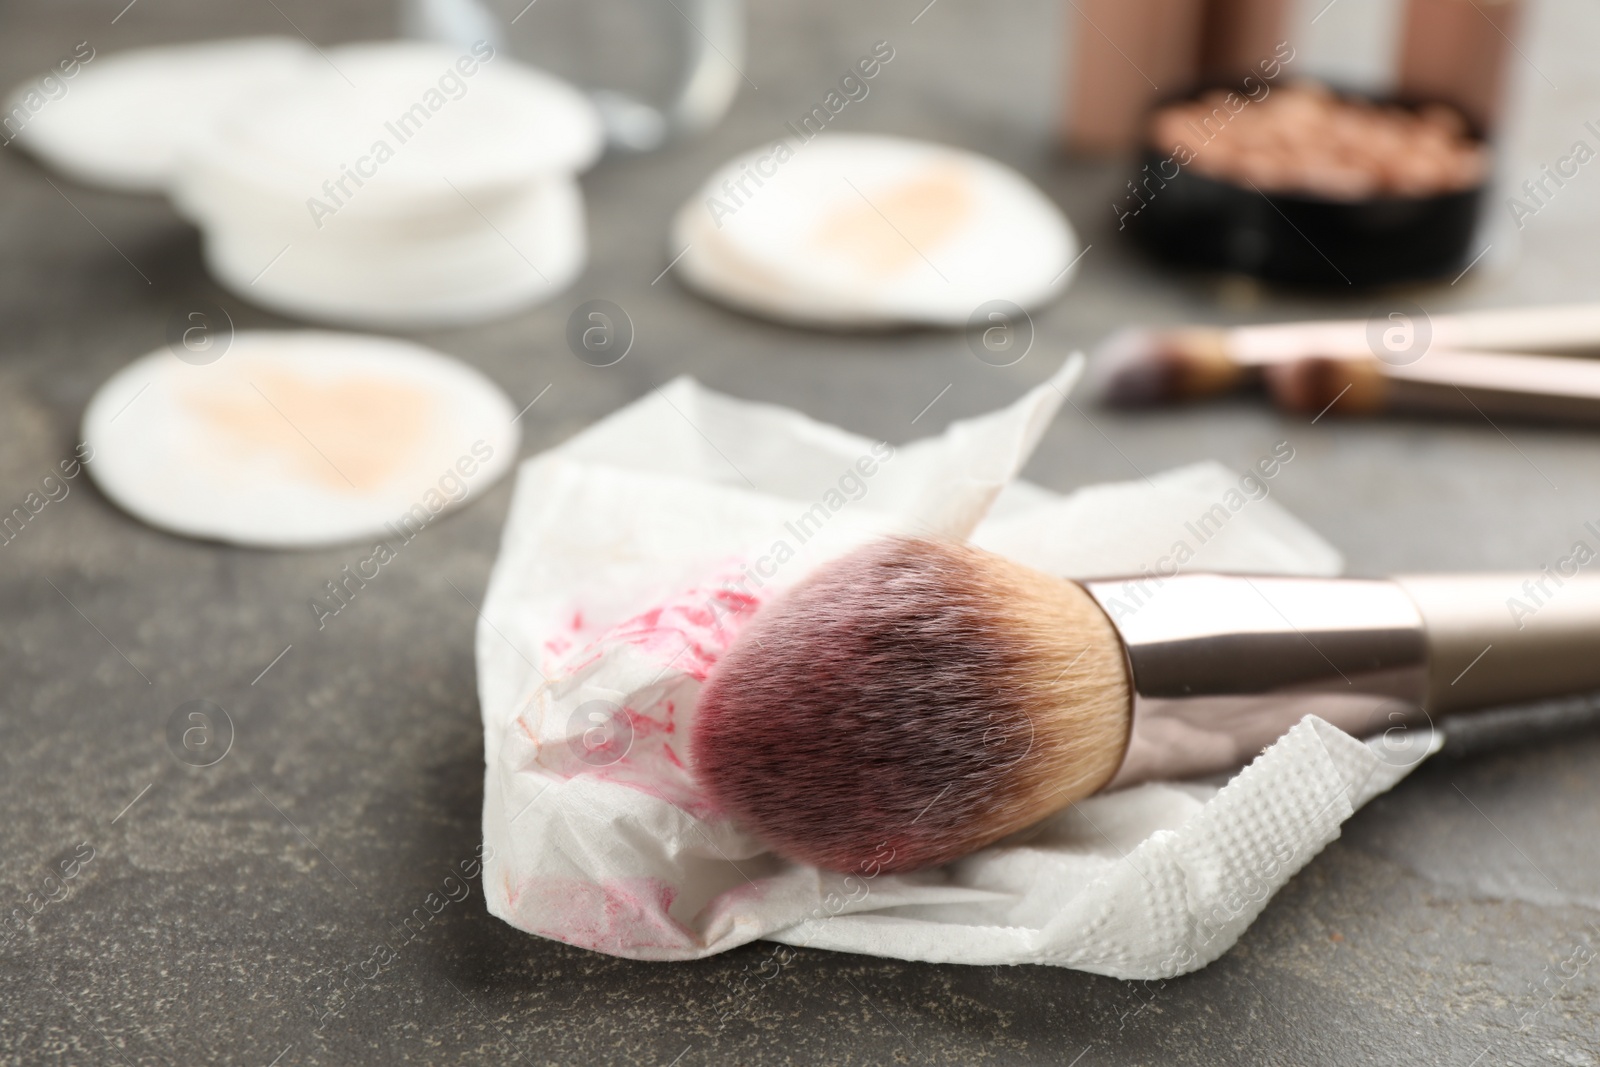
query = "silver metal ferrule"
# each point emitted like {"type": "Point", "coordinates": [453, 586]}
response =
{"type": "Point", "coordinates": [1223, 665]}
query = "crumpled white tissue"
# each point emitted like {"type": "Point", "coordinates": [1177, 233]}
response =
{"type": "Point", "coordinates": [633, 554]}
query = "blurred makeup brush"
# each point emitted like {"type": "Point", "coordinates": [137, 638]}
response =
{"type": "Point", "coordinates": [916, 700]}
{"type": "Point", "coordinates": [1493, 384]}
{"type": "Point", "coordinates": [1138, 367]}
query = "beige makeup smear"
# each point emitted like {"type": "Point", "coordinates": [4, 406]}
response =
{"type": "Point", "coordinates": [349, 433]}
{"type": "Point", "coordinates": [900, 224]}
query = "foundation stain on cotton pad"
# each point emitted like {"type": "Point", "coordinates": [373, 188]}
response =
{"type": "Point", "coordinates": [894, 228]}
{"type": "Point", "coordinates": [864, 231]}
{"type": "Point", "coordinates": [346, 433]}
{"type": "Point", "coordinates": [299, 438]}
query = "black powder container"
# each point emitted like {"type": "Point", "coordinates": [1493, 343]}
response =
{"type": "Point", "coordinates": [1297, 239]}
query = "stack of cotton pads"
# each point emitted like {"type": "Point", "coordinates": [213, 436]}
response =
{"type": "Point", "coordinates": [395, 184]}
{"type": "Point", "coordinates": [432, 187]}
{"type": "Point", "coordinates": [849, 230]}
{"type": "Point", "coordinates": [294, 439]}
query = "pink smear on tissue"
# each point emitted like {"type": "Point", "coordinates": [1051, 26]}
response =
{"type": "Point", "coordinates": [556, 648]}
{"type": "Point", "coordinates": [692, 629]}
{"type": "Point", "coordinates": [686, 633]}
{"type": "Point", "coordinates": [623, 916]}
{"type": "Point", "coordinates": [653, 765]}
{"type": "Point", "coordinates": [689, 631]}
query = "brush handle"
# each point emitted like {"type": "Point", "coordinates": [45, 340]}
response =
{"type": "Point", "coordinates": [1498, 384]}
{"type": "Point", "coordinates": [1464, 383]}
{"type": "Point", "coordinates": [1222, 665]}
{"type": "Point", "coordinates": [1561, 328]}
{"type": "Point", "coordinates": [1503, 638]}
{"type": "Point", "coordinates": [1564, 328]}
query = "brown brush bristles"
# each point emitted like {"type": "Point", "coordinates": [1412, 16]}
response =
{"type": "Point", "coordinates": [1316, 384]}
{"type": "Point", "coordinates": [910, 703]}
{"type": "Point", "coordinates": [1139, 368]}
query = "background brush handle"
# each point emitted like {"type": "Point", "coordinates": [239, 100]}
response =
{"type": "Point", "coordinates": [1562, 328]}
{"type": "Point", "coordinates": [1569, 328]}
{"type": "Point", "coordinates": [1505, 638]}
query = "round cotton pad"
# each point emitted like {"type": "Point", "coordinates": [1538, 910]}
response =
{"type": "Point", "coordinates": [408, 275]}
{"type": "Point", "coordinates": [855, 230]}
{"type": "Point", "coordinates": [121, 120]}
{"type": "Point", "coordinates": [432, 188]}
{"type": "Point", "coordinates": [399, 128]}
{"type": "Point", "coordinates": [298, 439]}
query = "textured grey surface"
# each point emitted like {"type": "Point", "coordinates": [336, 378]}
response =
{"type": "Point", "coordinates": [1451, 924]}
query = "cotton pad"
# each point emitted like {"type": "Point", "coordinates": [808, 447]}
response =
{"type": "Point", "coordinates": [121, 120]}
{"type": "Point", "coordinates": [298, 439]}
{"type": "Point", "coordinates": [410, 275]}
{"type": "Point", "coordinates": [852, 230]}
{"type": "Point", "coordinates": [396, 128]}
{"type": "Point", "coordinates": [406, 185]}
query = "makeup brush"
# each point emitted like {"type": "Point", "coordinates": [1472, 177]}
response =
{"type": "Point", "coordinates": [916, 700]}
{"type": "Point", "coordinates": [1493, 384]}
{"type": "Point", "coordinates": [1138, 367]}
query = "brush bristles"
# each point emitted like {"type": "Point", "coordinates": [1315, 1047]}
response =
{"type": "Point", "coordinates": [911, 703]}
{"type": "Point", "coordinates": [1319, 384]}
{"type": "Point", "coordinates": [1140, 368]}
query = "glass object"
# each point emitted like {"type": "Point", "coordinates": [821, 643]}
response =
{"type": "Point", "coordinates": [647, 94]}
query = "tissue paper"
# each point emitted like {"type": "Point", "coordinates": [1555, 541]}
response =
{"type": "Point", "coordinates": [631, 558]}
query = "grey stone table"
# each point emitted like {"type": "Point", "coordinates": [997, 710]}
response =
{"type": "Point", "coordinates": [1450, 924]}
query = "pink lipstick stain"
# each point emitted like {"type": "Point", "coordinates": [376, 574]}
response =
{"type": "Point", "coordinates": [559, 647]}
{"type": "Point", "coordinates": [686, 633]}
{"type": "Point", "coordinates": [651, 765]}
{"type": "Point", "coordinates": [692, 629]}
